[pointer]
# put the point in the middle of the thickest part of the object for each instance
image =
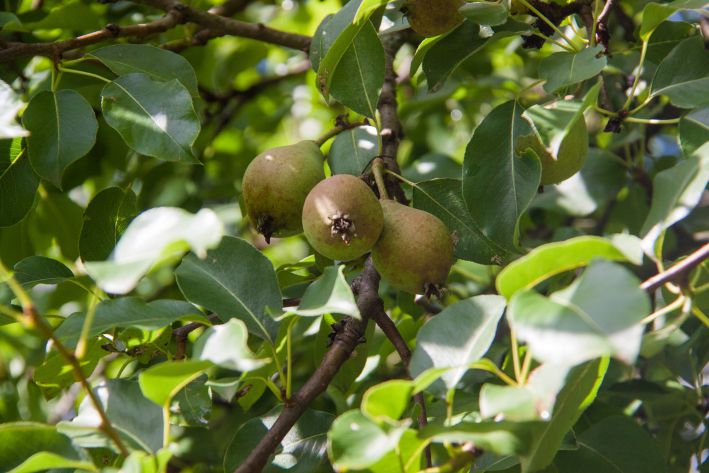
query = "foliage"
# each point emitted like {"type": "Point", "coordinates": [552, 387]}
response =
{"type": "Point", "coordinates": [146, 327]}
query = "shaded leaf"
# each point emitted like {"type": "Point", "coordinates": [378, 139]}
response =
{"type": "Point", "coordinates": [694, 130]}
{"type": "Point", "coordinates": [41, 270]}
{"type": "Point", "coordinates": [565, 68]}
{"type": "Point", "coordinates": [21, 441]}
{"type": "Point", "coordinates": [105, 219]}
{"type": "Point", "coordinates": [351, 151]}
{"type": "Point", "coordinates": [355, 442]}
{"type": "Point", "coordinates": [683, 76]}
{"type": "Point", "coordinates": [62, 129]}
{"type": "Point", "coordinates": [18, 186]}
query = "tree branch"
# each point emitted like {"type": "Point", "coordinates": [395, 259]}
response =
{"type": "Point", "coordinates": [602, 34]}
{"type": "Point", "coordinates": [220, 25]}
{"type": "Point", "coordinates": [678, 270]}
{"type": "Point", "coordinates": [365, 287]}
{"type": "Point", "coordinates": [10, 51]}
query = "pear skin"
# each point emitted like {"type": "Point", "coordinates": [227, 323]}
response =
{"type": "Point", "coordinates": [433, 17]}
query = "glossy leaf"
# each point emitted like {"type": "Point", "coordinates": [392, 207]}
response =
{"type": "Point", "coordinates": [9, 128]}
{"type": "Point", "coordinates": [676, 191]}
{"type": "Point", "coordinates": [498, 182]}
{"type": "Point", "coordinates": [553, 258]}
{"type": "Point", "coordinates": [225, 345]}
{"type": "Point", "coordinates": [387, 400]}
{"type": "Point", "coordinates": [161, 382]}
{"type": "Point", "coordinates": [152, 236]}
{"type": "Point", "coordinates": [443, 198]}
{"type": "Point", "coordinates": [159, 64]}
{"type": "Point", "coordinates": [41, 270]}
{"type": "Point", "coordinates": [459, 335]}
{"type": "Point", "coordinates": [655, 13]}
{"type": "Point", "coordinates": [353, 150]}
{"type": "Point", "coordinates": [502, 438]}
{"type": "Point", "coordinates": [126, 312]}
{"type": "Point", "coordinates": [105, 219]}
{"type": "Point", "coordinates": [694, 130]}
{"type": "Point", "coordinates": [330, 294]}
{"type": "Point", "coordinates": [62, 129]}
{"type": "Point", "coordinates": [598, 314]}
{"type": "Point", "coordinates": [582, 385]}
{"type": "Point", "coordinates": [565, 68]}
{"type": "Point", "coordinates": [485, 13]}
{"type": "Point", "coordinates": [355, 442]}
{"type": "Point", "coordinates": [683, 76]}
{"type": "Point", "coordinates": [234, 280]}
{"type": "Point", "coordinates": [138, 420]}
{"type": "Point", "coordinates": [154, 118]}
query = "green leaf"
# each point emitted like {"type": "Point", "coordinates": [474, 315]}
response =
{"type": "Point", "coordinates": [44, 461]}
{"type": "Point", "coordinates": [55, 373]}
{"type": "Point", "coordinates": [532, 401]}
{"type": "Point", "coordinates": [153, 236]}
{"type": "Point", "coordinates": [105, 219]}
{"type": "Point", "coordinates": [11, 106]}
{"type": "Point", "coordinates": [159, 64]}
{"type": "Point", "coordinates": [485, 13]}
{"type": "Point", "coordinates": [225, 345]}
{"type": "Point", "coordinates": [655, 13]}
{"type": "Point", "coordinates": [598, 314]}
{"type": "Point", "coordinates": [72, 15]}
{"type": "Point", "coordinates": [127, 312]}
{"type": "Point", "coordinates": [355, 442]}
{"type": "Point", "coordinates": [693, 130]}
{"type": "Point", "coordinates": [443, 198]}
{"type": "Point", "coordinates": [581, 388]}
{"type": "Point", "coordinates": [683, 76]}
{"type": "Point", "coordinates": [358, 77]}
{"type": "Point", "coordinates": [502, 438]}
{"type": "Point", "coordinates": [387, 400]}
{"type": "Point", "coordinates": [303, 450]}
{"type": "Point", "coordinates": [138, 420]}
{"type": "Point", "coordinates": [498, 183]}
{"type": "Point", "coordinates": [62, 128]}
{"type": "Point", "coordinates": [445, 56]}
{"type": "Point", "coordinates": [21, 441]}
{"type": "Point", "coordinates": [161, 382]}
{"type": "Point", "coordinates": [41, 270]}
{"type": "Point", "coordinates": [154, 118]}
{"type": "Point", "coordinates": [548, 260]}
{"type": "Point", "coordinates": [352, 151]}
{"type": "Point", "coordinates": [234, 280]}
{"type": "Point", "coordinates": [329, 294]}
{"type": "Point", "coordinates": [616, 444]}
{"type": "Point", "coordinates": [406, 458]}
{"type": "Point", "coordinates": [676, 191]}
{"type": "Point", "coordinates": [18, 186]}
{"type": "Point", "coordinates": [458, 336]}
{"type": "Point", "coordinates": [58, 218]}
{"type": "Point", "coordinates": [564, 68]}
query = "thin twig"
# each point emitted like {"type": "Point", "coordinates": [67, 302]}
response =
{"type": "Point", "coordinates": [677, 271]}
{"type": "Point", "coordinates": [602, 34]}
{"type": "Point", "coordinates": [366, 288]}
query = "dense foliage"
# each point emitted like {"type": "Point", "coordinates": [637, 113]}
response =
{"type": "Point", "coordinates": [145, 326]}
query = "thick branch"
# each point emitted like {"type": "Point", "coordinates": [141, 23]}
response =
{"type": "Point", "coordinates": [10, 51]}
{"type": "Point", "coordinates": [219, 25]}
{"type": "Point", "coordinates": [678, 271]}
{"type": "Point", "coordinates": [391, 126]}
{"type": "Point", "coordinates": [366, 288]}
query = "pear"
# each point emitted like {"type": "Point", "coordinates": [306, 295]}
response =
{"type": "Point", "coordinates": [433, 17]}
{"type": "Point", "coordinates": [342, 218]}
{"type": "Point", "coordinates": [415, 252]}
{"type": "Point", "coordinates": [275, 186]}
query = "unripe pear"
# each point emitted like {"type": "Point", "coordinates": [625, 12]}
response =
{"type": "Point", "coordinates": [275, 186]}
{"type": "Point", "coordinates": [415, 252]}
{"type": "Point", "coordinates": [342, 218]}
{"type": "Point", "coordinates": [433, 17]}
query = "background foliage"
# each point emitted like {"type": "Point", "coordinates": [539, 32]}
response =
{"type": "Point", "coordinates": [145, 327]}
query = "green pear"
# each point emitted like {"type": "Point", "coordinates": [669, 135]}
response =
{"type": "Point", "coordinates": [342, 218]}
{"type": "Point", "coordinates": [433, 17]}
{"type": "Point", "coordinates": [275, 186]}
{"type": "Point", "coordinates": [415, 251]}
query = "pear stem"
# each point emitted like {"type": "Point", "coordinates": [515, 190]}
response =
{"type": "Point", "coordinates": [378, 171]}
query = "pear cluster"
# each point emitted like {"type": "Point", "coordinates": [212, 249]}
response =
{"type": "Point", "coordinates": [285, 192]}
